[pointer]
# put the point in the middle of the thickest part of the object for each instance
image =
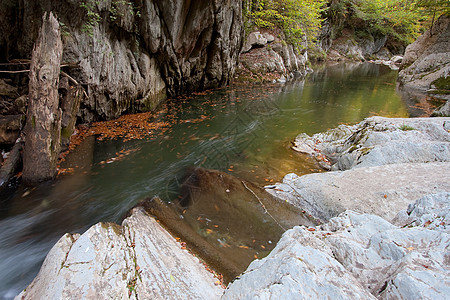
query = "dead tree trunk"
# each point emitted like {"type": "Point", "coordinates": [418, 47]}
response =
{"type": "Point", "coordinates": [43, 127]}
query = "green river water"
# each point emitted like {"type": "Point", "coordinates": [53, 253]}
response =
{"type": "Point", "coordinates": [245, 131]}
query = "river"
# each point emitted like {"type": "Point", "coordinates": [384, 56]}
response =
{"type": "Point", "coordinates": [242, 130]}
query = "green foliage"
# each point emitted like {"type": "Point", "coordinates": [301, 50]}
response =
{"type": "Point", "coordinates": [93, 16]}
{"type": "Point", "coordinates": [395, 18]}
{"type": "Point", "coordinates": [115, 11]}
{"type": "Point", "coordinates": [64, 29]}
{"type": "Point", "coordinates": [299, 19]}
{"type": "Point", "coordinates": [434, 7]}
{"type": "Point", "coordinates": [442, 84]}
{"type": "Point", "coordinates": [401, 20]}
{"type": "Point", "coordinates": [405, 127]}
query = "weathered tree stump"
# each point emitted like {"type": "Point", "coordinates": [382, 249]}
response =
{"type": "Point", "coordinates": [43, 127]}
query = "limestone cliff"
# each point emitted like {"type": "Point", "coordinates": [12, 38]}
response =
{"type": "Point", "coordinates": [128, 55]}
{"type": "Point", "coordinates": [428, 58]}
{"type": "Point", "coordinates": [426, 64]}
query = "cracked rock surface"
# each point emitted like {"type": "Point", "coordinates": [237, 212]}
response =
{"type": "Point", "coordinates": [379, 166]}
{"type": "Point", "coordinates": [138, 260]}
{"type": "Point", "coordinates": [358, 256]}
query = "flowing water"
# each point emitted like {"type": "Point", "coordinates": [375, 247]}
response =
{"type": "Point", "coordinates": [242, 130]}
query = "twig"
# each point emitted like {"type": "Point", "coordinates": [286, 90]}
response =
{"type": "Point", "coordinates": [16, 62]}
{"type": "Point", "coordinates": [265, 209]}
{"type": "Point", "coordinates": [27, 62]}
{"type": "Point", "coordinates": [70, 78]}
{"type": "Point", "coordinates": [14, 72]}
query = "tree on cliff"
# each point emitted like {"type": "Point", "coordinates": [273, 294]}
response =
{"type": "Point", "coordinates": [434, 8]}
{"type": "Point", "coordinates": [299, 19]}
{"type": "Point", "coordinates": [400, 20]}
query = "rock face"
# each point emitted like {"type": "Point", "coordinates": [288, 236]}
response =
{"type": "Point", "coordinates": [43, 127]}
{"type": "Point", "coordinates": [426, 63]}
{"type": "Point", "coordinates": [129, 56]}
{"type": "Point", "coordinates": [358, 256]}
{"type": "Point", "coordinates": [349, 47]}
{"type": "Point", "coordinates": [267, 58]}
{"type": "Point", "coordinates": [138, 260]}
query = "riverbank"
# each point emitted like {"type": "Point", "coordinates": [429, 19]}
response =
{"type": "Point", "coordinates": [406, 254]}
{"type": "Point", "coordinates": [386, 217]}
{"type": "Point", "coordinates": [379, 166]}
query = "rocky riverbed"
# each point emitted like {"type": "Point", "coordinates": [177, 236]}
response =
{"type": "Point", "coordinates": [369, 246]}
{"type": "Point", "coordinates": [385, 231]}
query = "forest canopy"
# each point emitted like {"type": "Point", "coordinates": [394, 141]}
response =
{"type": "Point", "coordinates": [301, 20]}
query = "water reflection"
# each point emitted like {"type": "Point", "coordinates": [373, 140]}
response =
{"type": "Point", "coordinates": [244, 131]}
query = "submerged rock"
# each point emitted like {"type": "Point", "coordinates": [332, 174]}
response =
{"type": "Point", "coordinates": [138, 260]}
{"type": "Point", "coordinates": [225, 220]}
{"type": "Point", "coordinates": [357, 256]}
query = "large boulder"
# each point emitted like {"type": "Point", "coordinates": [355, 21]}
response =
{"type": "Point", "coordinates": [380, 190]}
{"type": "Point", "coordinates": [254, 40]}
{"type": "Point", "coordinates": [380, 158]}
{"type": "Point", "coordinates": [138, 260]}
{"type": "Point", "coordinates": [300, 267]}
{"type": "Point", "coordinates": [357, 256]}
{"type": "Point", "coordinates": [379, 141]}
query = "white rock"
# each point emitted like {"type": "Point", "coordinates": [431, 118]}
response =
{"type": "Point", "coordinates": [300, 267]}
{"type": "Point", "coordinates": [270, 38]}
{"type": "Point", "coordinates": [136, 260]}
{"type": "Point", "coordinates": [379, 141]}
{"type": "Point", "coordinates": [396, 59]}
{"type": "Point", "coordinates": [254, 39]}
{"type": "Point", "coordinates": [354, 256]}
{"type": "Point", "coordinates": [380, 190]}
